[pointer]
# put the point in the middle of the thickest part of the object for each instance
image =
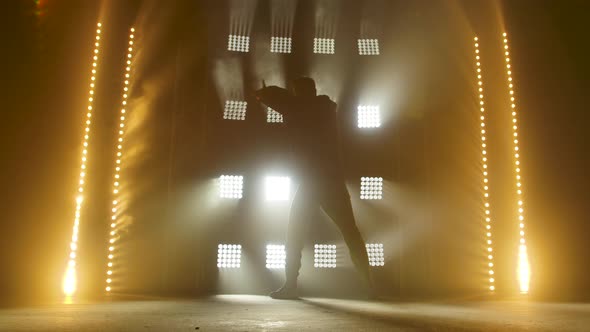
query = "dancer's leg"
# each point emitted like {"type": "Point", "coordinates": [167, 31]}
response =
{"type": "Point", "coordinates": [335, 201]}
{"type": "Point", "coordinates": [303, 209]}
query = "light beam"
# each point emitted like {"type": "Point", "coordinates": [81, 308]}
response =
{"type": "Point", "coordinates": [485, 179]}
{"type": "Point", "coordinates": [523, 269]}
{"type": "Point", "coordinates": [114, 236]}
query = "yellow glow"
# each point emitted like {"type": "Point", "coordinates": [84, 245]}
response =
{"type": "Point", "coordinates": [69, 281]}
{"type": "Point", "coordinates": [524, 272]}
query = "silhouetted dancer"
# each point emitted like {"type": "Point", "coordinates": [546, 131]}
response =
{"type": "Point", "coordinates": [312, 125]}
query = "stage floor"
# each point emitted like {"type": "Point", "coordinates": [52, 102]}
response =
{"type": "Point", "coordinates": [258, 313]}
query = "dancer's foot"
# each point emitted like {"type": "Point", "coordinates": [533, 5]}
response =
{"type": "Point", "coordinates": [285, 293]}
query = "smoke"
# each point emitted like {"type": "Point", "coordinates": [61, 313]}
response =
{"type": "Point", "coordinates": [229, 79]}
{"type": "Point", "coordinates": [157, 67]}
{"type": "Point", "coordinates": [326, 18]}
{"type": "Point", "coordinates": [282, 15]}
{"type": "Point", "coordinates": [242, 16]}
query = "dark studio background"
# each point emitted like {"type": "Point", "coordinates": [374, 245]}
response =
{"type": "Point", "coordinates": [427, 151]}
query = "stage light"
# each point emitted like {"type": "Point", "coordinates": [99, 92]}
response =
{"type": "Point", "coordinates": [229, 256]}
{"type": "Point", "coordinates": [273, 116]}
{"type": "Point", "coordinates": [235, 110]}
{"type": "Point", "coordinates": [280, 44]}
{"type": "Point", "coordinates": [324, 256]}
{"type": "Point", "coordinates": [275, 256]}
{"type": "Point", "coordinates": [485, 179]}
{"type": "Point", "coordinates": [523, 266]}
{"type": "Point", "coordinates": [369, 116]}
{"type": "Point", "coordinates": [238, 43]}
{"type": "Point", "coordinates": [114, 236]}
{"type": "Point", "coordinates": [69, 282]}
{"type": "Point", "coordinates": [277, 188]}
{"type": "Point", "coordinates": [323, 45]}
{"type": "Point", "coordinates": [368, 46]}
{"type": "Point", "coordinates": [231, 186]}
{"type": "Point", "coordinates": [371, 188]}
{"type": "Point", "coordinates": [375, 253]}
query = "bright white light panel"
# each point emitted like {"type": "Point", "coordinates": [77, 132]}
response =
{"type": "Point", "coordinates": [231, 186]}
{"type": "Point", "coordinates": [369, 116]}
{"type": "Point", "coordinates": [273, 116]}
{"type": "Point", "coordinates": [375, 253]}
{"type": "Point", "coordinates": [368, 46]}
{"type": "Point", "coordinates": [235, 110]}
{"type": "Point", "coordinates": [323, 45]}
{"type": "Point", "coordinates": [371, 188]}
{"type": "Point", "coordinates": [280, 44]}
{"type": "Point", "coordinates": [229, 256]}
{"type": "Point", "coordinates": [238, 43]}
{"type": "Point", "coordinates": [275, 256]}
{"type": "Point", "coordinates": [324, 256]}
{"type": "Point", "coordinates": [277, 188]}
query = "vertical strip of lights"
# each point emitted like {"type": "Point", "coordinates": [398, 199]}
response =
{"type": "Point", "coordinates": [70, 278]}
{"type": "Point", "coordinates": [484, 161]}
{"type": "Point", "coordinates": [523, 270]}
{"type": "Point", "coordinates": [114, 233]}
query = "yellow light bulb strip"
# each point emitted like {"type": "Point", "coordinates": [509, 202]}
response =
{"type": "Point", "coordinates": [523, 269]}
{"type": "Point", "coordinates": [484, 161]}
{"type": "Point", "coordinates": [114, 222]}
{"type": "Point", "coordinates": [70, 277]}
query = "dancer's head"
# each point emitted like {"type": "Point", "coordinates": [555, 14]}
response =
{"type": "Point", "coordinates": [304, 87]}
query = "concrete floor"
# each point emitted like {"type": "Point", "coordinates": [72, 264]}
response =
{"type": "Point", "coordinates": [257, 313]}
